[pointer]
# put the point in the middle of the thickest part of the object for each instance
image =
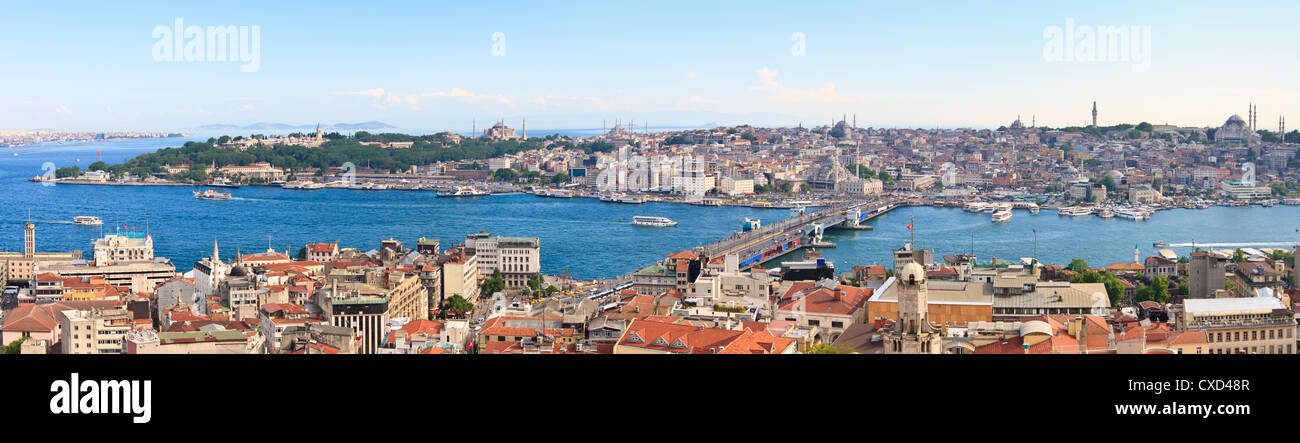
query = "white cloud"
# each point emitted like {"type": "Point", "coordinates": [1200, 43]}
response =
{"type": "Point", "coordinates": [62, 110]}
{"type": "Point", "coordinates": [781, 93]}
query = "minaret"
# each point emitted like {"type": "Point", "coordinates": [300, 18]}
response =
{"type": "Point", "coordinates": [1281, 129]}
{"type": "Point", "coordinates": [525, 128]}
{"type": "Point", "coordinates": [1094, 113]}
{"type": "Point", "coordinates": [318, 133]}
{"type": "Point", "coordinates": [216, 256]}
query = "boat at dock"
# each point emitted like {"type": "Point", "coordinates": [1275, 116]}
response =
{"type": "Point", "coordinates": [1002, 216]}
{"type": "Point", "coordinates": [222, 182]}
{"type": "Point", "coordinates": [1074, 211]}
{"type": "Point", "coordinates": [554, 193]}
{"type": "Point", "coordinates": [656, 222]}
{"type": "Point", "coordinates": [620, 198]}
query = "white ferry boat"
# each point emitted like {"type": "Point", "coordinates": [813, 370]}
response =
{"type": "Point", "coordinates": [554, 193]}
{"type": "Point", "coordinates": [1074, 211]}
{"type": "Point", "coordinates": [85, 220]}
{"type": "Point", "coordinates": [619, 198]}
{"type": "Point", "coordinates": [974, 207]}
{"type": "Point", "coordinates": [1001, 216]}
{"type": "Point", "coordinates": [1106, 213]}
{"type": "Point", "coordinates": [658, 222]}
{"type": "Point", "coordinates": [211, 195]}
{"type": "Point", "coordinates": [222, 182]}
{"type": "Point", "coordinates": [1131, 213]}
{"type": "Point", "coordinates": [465, 191]}
{"type": "Point", "coordinates": [303, 184]}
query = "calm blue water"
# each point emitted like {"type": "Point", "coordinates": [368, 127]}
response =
{"type": "Point", "coordinates": [590, 238]}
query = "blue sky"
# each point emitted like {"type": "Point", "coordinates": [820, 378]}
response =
{"type": "Point", "coordinates": [571, 64]}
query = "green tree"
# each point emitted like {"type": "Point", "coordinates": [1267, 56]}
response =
{"type": "Point", "coordinates": [505, 175]}
{"type": "Point", "coordinates": [98, 166]}
{"type": "Point", "coordinates": [67, 171]}
{"type": "Point", "coordinates": [1238, 256]}
{"type": "Point", "coordinates": [1078, 265]}
{"type": "Point", "coordinates": [457, 305]}
{"type": "Point", "coordinates": [302, 253]}
{"type": "Point", "coordinates": [16, 346]}
{"type": "Point", "coordinates": [494, 284]}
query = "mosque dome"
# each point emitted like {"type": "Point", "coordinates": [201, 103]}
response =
{"type": "Point", "coordinates": [1115, 174]}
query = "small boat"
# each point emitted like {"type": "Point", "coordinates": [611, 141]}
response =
{"type": "Point", "coordinates": [211, 195]}
{"type": "Point", "coordinates": [85, 220]}
{"type": "Point", "coordinates": [1001, 216]}
{"type": "Point", "coordinates": [1106, 213]}
{"type": "Point", "coordinates": [1160, 244]}
{"type": "Point", "coordinates": [657, 222]}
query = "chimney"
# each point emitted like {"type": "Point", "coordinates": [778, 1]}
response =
{"type": "Point", "coordinates": [1082, 336]}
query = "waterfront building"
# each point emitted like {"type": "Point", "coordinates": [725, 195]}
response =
{"type": "Point", "coordinates": [912, 332]}
{"type": "Point", "coordinates": [730, 287]}
{"type": "Point", "coordinates": [1243, 190]}
{"type": "Point", "coordinates": [1250, 325]}
{"type": "Point", "coordinates": [94, 331]}
{"type": "Point", "coordinates": [1206, 275]}
{"type": "Point", "coordinates": [518, 258]}
{"type": "Point", "coordinates": [734, 187]}
{"type": "Point", "coordinates": [860, 186]}
{"type": "Point", "coordinates": [1158, 266]}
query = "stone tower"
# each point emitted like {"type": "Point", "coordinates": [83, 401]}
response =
{"type": "Point", "coordinates": [912, 332]}
{"type": "Point", "coordinates": [29, 240]}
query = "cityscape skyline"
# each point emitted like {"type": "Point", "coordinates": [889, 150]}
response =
{"type": "Point", "coordinates": [568, 66]}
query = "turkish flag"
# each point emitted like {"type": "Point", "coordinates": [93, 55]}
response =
{"type": "Point", "coordinates": [909, 226]}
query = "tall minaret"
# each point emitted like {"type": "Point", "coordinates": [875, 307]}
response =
{"type": "Point", "coordinates": [525, 128]}
{"type": "Point", "coordinates": [1094, 113]}
{"type": "Point", "coordinates": [318, 133]}
{"type": "Point", "coordinates": [216, 256]}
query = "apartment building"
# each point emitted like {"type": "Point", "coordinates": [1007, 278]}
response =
{"type": "Point", "coordinates": [518, 258]}
{"type": "Point", "coordinates": [94, 331]}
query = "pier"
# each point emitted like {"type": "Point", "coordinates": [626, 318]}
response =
{"type": "Point", "coordinates": [769, 242]}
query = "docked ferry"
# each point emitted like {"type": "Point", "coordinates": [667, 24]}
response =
{"type": "Point", "coordinates": [1002, 216]}
{"type": "Point", "coordinates": [85, 220]}
{"type": "Point", "coordinates": [629, 199]}
{"type": "Point", "coordinates": [1074, 211]}
{"type": "Point", "coordinates": [211, 195]}
{"type": "Point", "coordinates": [302, 184]}
{"type": "Point", "coordinates": [658, 222]}
{"type": "Point", "coordinates": [554, 193]}
{"type": "Point", "coordinates": [222, 182]}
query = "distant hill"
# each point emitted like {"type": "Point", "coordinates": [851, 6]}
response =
{"type": "Point", "coordinates": [283, 126]}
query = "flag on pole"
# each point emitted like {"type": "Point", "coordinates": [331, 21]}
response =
{"type": "Point", "coordinates": [909, 226]}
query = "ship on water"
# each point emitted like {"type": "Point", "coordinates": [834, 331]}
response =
{"type": "Point", "coordinates": [222, 182]}
{"type": "Point", "coordinates": [211, 195]}
{"type": "Point", "coordinates": [85, 220]}
{"type": "Point", "coordinates": [465, 191]}
{"type": "Point", "coordinates": [656, 222]}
